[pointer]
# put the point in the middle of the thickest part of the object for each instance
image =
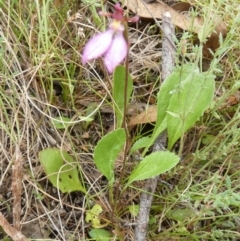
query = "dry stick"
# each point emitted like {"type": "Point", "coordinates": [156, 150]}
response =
{"type": "Point", "coordinates": [168, 56]}
{"type": "Point", "coordinates": [11, 231]}
{"type": "Point", "coordinates": [17, 176]}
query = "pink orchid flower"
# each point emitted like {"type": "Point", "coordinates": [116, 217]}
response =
{"type": "Point", "coordinates": [110, 44]}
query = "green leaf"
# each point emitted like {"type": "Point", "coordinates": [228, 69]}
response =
{"type": "Point", "coordinates": [134, 209]}
{"type": "Point", "coordinates": [178, 75]}
{"type": "Point", "coordinates": [188, 102]}
{"type": "Point", "coordinates": [207, 139]}
{"type": "Point", "coordinates": [153, 165]}
{"type": "Point", "coordinates": [100, 234]}
{"type": "Point", "coordinates": [64, 122]}
{"type": "Point", "coordinates": [118, 92]}
{"type": "Point", "coordinates": [228, 183]}
{"type": "Point", "coordinates": [67, 89]}
{"type": "Point", "coordinates": [60, 169]}
{"type": "Point", "coordinates": [90, 111]}
{"type": "Point", "coordinates": [61, 122]}
{"type": "Point", "coordinates": [92, 216]}
{"type": "Point", "coordinates": [181, 215]}
{"type": "Point", "coordinates": [107, 151]}
{"type": "Point", "coordinates": [165, 93]}
{"type": "Point", "coordinates": [157, 130]}
{"type": "Point", "coordinates": [141, 143]}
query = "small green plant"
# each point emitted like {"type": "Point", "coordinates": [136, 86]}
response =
{"type": "Point", "coordinates": [61, 170]}
{"type": "Point", "coordinates": [226, 199]}
{"type": "Point", "coordinates": [49, 99]}
{"type": "Point", "coordinates": [182, 100]}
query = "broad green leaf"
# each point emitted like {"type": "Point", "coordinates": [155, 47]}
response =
{"type": "Point", "coordinates": [188, 102]}
{"type": "Point", "coordinates": [134, 209]}
{"type": "Point", "coordinates": [181, 215]}
{"type": "Point", "coordinates": [107, 151]}
{"type": "Point", "coordinates": [157, 131]}
{"type": "Point", "coordinates": [92, 216]}
{"type": "Point", "coordinates": [118, 92]}
{"type": "Point", "coordinates": [141, 143]}
{"type": "Point", "coordinates": [60, 170]}
{"type": "Point", "coordinates": [100, 235]}
{"type": "Point", "coordinates": [153, 165]}
{"type": "Point", "coordinates": [170, 84]}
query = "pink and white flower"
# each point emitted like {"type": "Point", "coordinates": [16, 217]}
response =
{"type": "Point", "coordinates": [110, 44]}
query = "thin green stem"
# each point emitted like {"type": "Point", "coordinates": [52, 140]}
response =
{"type": "Point", "coordinates": [124, 123]}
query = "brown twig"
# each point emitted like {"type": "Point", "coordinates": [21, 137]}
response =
{"type": "Point", "coordinates": [17, 188]}
{"type": "Point", "coordinates": [168, 56]}
{"type": "Point", "coordinates": [11, 231]}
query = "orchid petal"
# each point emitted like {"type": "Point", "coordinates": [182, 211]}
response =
{"type": "Point", "coordinates": [116, 53]}
{"type": "Point", "coordinates": [118, 13]}
{"type": "Point", "coordinates": [97, 45]}
{"type": "Point", "coordinates": [133, 19]}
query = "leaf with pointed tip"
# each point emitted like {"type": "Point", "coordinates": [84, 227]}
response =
{"type": "Point", "coordinates": [154, 164]}
{"type": "Point", "coordinates": [118, 92]}
{"type": "Point", "coordinates": [188, 102]}
{"type": "Point", "coordinates": [170, 84]}
{"type": "Point", "coordinates": [61, 170]}
{"type": "Point", "coordinates": [107, 151]}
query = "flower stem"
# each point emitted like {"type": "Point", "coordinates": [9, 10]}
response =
{"type": "Point", "coordinates": [124, 123]}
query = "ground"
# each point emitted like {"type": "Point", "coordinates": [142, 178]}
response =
{"type": "Point", "coordinates": [55, 110]}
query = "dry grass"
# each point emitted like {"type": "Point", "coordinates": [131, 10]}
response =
{"type": "Point", "coordinates": [42, 78]}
